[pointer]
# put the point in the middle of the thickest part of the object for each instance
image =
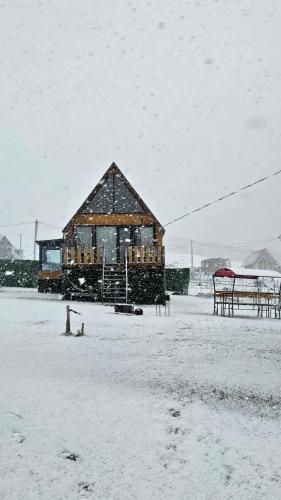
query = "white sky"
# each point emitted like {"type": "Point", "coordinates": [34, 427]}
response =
{"type": "Point", "coordinates": [183, 95]}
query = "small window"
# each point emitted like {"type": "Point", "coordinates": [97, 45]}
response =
{"type": "Point", "coordinates": [51, 259]}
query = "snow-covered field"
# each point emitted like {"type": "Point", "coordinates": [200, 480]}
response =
{"type": "Point", "coordinates": [142, 407]}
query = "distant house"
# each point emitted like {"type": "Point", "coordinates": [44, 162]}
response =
{"type": "Point", "coordinates": [209, 266]}
{"type": "Point", "coordinates": [264, 259]}
{"type": "Point", "coordinates": [7, 250]}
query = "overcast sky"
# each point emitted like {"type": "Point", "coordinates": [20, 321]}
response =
{"type": "Point", "coordinates": [183, 95]}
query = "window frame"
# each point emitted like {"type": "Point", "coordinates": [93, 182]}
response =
{"type": "Point", "coordinates": [43, 252]}
{"type": "Point", "coordinates": [74, 240]}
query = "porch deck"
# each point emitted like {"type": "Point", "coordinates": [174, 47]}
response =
{"type": "Point", "coordinates": [137, 255]}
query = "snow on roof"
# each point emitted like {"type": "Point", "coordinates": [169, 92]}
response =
{"type": "Point", "coordinates": [3, 237]}
{"type": "Point", "coordinates": [274, 251]}
{"type": "Point", "coordinates": [246, 273]}
{"type": "Point", "coordinates": [251, 259]}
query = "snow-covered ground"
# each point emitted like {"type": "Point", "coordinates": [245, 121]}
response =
{"type": "Point", "coordinates": [142, 407]}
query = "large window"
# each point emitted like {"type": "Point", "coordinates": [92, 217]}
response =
{"type": "Point", "coordinates": [83, 236]}
{"type": "Point", "coordinates": [51, 259]}
{"type": "Point", "coordinates": [106, 238]}
{"type": "Point", "coordinates": [144, 236]}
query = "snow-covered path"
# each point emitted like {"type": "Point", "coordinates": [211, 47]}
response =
{"type": "Point", "coordinates": [179, 407]}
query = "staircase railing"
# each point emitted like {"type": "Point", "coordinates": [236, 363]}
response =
{"type": "Point", "coordinates": [126, 271]}
{"type": "Point", "coordinates": [102, 283]}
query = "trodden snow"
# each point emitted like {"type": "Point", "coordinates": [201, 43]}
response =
{"type": "Point", "coordinates": [185, 406]}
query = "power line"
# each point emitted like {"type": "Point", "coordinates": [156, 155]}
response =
{"type": "Point", "coordinates": [206, 205]}
{"type": "Point", "coordinates": [18, 224]}
{"type": "Point", "coordinates": [27, 223]}
{"type": "Point", "coordinates": [236, 245]}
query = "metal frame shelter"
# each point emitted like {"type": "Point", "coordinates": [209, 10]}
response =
{"type": "Point", "coordinates": [255, 290]}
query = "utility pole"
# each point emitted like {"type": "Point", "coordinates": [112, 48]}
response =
{"type": "Point", "coordinates": [21, 246]}
{"type": "Point", "coordinates": [191, 257]}
{"type": "Point", "coordinates": [35, 238]}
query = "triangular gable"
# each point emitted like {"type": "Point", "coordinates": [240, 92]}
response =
{"type": "Point", "coordinates": [263, 253]}
{"type": "Point", "coordinates": [113, 195]}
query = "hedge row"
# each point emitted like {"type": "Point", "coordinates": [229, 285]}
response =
{"type": "Point", "coordinates": [177, 280]}
{"type": "Point", "coordinates": [19, 273]}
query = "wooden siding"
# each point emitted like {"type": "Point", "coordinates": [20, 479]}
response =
{"type": "Point", "coordinates": [49, 275]}
{"type": "Point", "coordinates": [111, 220]}
{"type": "Point", "coordinates": [159, 235]}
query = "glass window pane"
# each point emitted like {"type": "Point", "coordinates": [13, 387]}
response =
{"type": "Point", "coordinates": [51, 259]}
{"type": "Point", "coordinates": [106, 238]}
{"type": "Point", "coordinates": [146, 236]}
{"type": "Point", "coordinates": [83, 236]}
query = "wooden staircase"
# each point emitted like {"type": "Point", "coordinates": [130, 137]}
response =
{"type": "Point", "coordinates": [114, 285]}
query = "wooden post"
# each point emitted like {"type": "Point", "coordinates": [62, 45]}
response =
{"type": "Point", "coordinates": [21, 256]}
{"type": "Point", "coordinates": [141, 255]}
{"type": "Point", "coordinates": [72, 255]}
{"type": "Point", "coordinates": [35, 238]}
{"type": "Point", "coordinates": [78, 255]}
{"type": "Point", "coordinates": [65, 256]}
{"type": "Point", "coordinates": [67, 326]}
{"type": "Point", "coordinates": [147, 255]}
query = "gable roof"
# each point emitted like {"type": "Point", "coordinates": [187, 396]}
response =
{"type": "Point", "coordinates": [113, 169]}
{"type": "Point", "coordinates": [251, 259]}
{"type": "Point", "coordinates": [4, 239]}
{"type": "Point", "coordinates": [7, 246]}
{"type": "Point", "coordinates": [245, 273]}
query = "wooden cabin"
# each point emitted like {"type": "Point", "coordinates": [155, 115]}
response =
{"type": "Point", "coordinates": [112, 248]}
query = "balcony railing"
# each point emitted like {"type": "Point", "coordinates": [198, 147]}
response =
{"type": "Point", "coordinates": [136, 255]}
{"type": "Point", "coordinates": [146, 255]}
{"type": "Point", "coordinates": [77, 255]}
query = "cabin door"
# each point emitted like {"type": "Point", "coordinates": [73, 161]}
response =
{"type": "Point", "coordinates": [106, 238]}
